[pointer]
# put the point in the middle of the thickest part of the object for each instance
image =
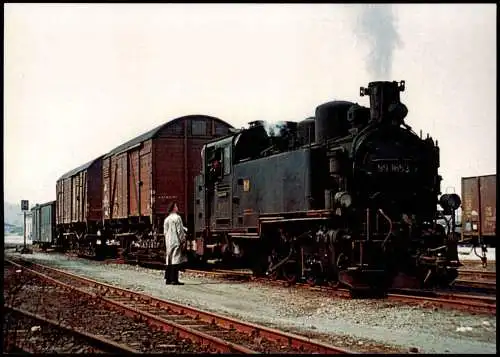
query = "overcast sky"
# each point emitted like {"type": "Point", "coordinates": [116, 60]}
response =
{"type": "Point", "coordinates": [80, 79]}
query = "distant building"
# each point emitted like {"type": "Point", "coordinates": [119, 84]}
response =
{"type": "Point", "coordinates": [12, 229]}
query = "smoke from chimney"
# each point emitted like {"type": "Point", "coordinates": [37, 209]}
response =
{"type": "Point", "coordinates": [376, 25]}
{"type": "Point", "coordinates": [274, 129]}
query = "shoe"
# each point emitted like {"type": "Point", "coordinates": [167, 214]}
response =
{"type": "Point", "coordinates": [177, 283]}
{"type": "Point", "coordinates": [168, 282]}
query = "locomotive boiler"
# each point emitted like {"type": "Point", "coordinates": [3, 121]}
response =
{"type": "Point", "coordinates": [346, 197]}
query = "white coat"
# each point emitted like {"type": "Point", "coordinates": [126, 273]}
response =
{"type": "Point", "coordinates": [174, 232]}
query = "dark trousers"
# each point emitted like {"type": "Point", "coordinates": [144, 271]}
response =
{"type": "Point", "coordinates": [172, 273]}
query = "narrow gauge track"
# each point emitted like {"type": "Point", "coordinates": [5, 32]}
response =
{"type": "Point", "coordinates": [57, 335]}
{"type": "Point", "coordinates": [477, 275]}
{"type": "Point", "coordinates": [488, 287]}
{"type": "Point", "coordinates": [460, 299]}
{"type": "Point", "coordinates": [428, 298]}
{"type": "Point", "coordinates": [224, 334]}
{"type": "Point", "coordinates": [445, 299]}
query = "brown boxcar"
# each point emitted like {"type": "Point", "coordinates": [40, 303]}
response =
{"type": "Point", "coordinates": [79, 197]}
{"type": "Point", "coordinates": [479, 208]}
{"type": "Point", "coordinates": [142, 176]}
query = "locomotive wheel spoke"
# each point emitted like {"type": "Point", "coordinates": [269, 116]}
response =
{"type": "Point", "coordinates": [334, 284]}
{"type": "Point", "coordinates": [312, 281]}
{"type": "Point", "coordinates": [290, 279]}
{"type": "Point", "coordinates": [290, 275]}
{"type": "Point", "coordinates": [274, 275]}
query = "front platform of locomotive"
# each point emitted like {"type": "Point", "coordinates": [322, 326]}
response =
{"type": "Point", "coordinates": [395, 185]}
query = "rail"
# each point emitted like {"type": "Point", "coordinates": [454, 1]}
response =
{"type": "Point", "coordinates": [99, 342]}
{"type": "Point", "coordinates": [477, 275]}
{"type": "Point", "coordinates": [444, 299]}
{"type": "Point", "coordinates": [202, 326]}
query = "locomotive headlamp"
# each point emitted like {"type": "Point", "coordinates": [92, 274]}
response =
{"type": "Point", "coordinates": [450, 201]}
{"type": "Point", "coordinates": [343, 198]}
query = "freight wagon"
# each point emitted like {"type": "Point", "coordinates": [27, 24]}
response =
{"type": "Point", "coordinates": [78, 203]}
{"type": "Point", "coordinates": [43, 224]}
{"type": "Point", "coordinates": [479, 209]}
{"type": "Point", "coordinates": [119, 200]}
{"type": "Point", "coordinates": [144, 175]}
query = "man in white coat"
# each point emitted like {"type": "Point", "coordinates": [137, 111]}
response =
{"type": "Point", "coordinates": [175, 243]}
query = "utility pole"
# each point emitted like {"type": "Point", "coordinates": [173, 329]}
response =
{"type": "Point", "coordinates": [24, 231]}
{"type": "Point", "coordinates": [24, 207]}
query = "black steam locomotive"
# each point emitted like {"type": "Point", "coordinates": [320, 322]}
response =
{"type": "Point", "coordinates": [348, 196]}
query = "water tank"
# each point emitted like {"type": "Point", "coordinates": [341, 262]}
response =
{"type": "Point", "coordinates": [331, 120]}
{"type": "Point", "coordinates": [305, 131]}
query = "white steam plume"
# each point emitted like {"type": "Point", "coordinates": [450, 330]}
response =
{"type": "Point", "coordinates": [376, 25]}
{"type": "Point", "coordinates": [274, 128]}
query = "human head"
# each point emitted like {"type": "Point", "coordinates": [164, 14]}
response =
{"type": "Point", "coordinates": [173, 207]}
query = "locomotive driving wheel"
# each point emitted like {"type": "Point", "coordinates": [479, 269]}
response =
{"type": "Point", "coordinates": [273, 259]}
{"type": "Point", "coordinates": [274, 275]}
{"type": "Point", "coordinates": [313, 276]}
{"type": "Point", "coordinates": [334, 284]}
{"type": "Point", "coordinates": [312, 281]}
{"type": "Point", "coordinates": [290, 272]}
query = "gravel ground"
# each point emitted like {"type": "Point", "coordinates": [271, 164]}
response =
{"type": "Point", "coordinates": [361, 325]}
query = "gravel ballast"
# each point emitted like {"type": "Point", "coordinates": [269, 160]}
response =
{"type": "Point", "coordinates": [362, 325]}
{"type": "Point", "coordinates": [84, 313]}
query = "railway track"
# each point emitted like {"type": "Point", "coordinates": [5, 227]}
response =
{"type": "Point", "coordinates": [428, 298]}
{"type": "Point", "coordinates": [445, 299]}
{"type": "Point", "coordinates": [477, 280]}
{"type": "Point", "coordinates": [458, 300]}
{"type": "Point", "coordinates": [477, 275]}
{"type": "Point", "coordinates": [223, 334]}
{"type": "Point", "coordinates": [487, 287]}
{"type": "Point", "coordinates": [84, 312]}
{"type": "Point", "coordinates": [58, 337]}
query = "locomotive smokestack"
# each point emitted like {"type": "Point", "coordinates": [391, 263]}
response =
{"type": "Point", "coordinates": [385, 104]}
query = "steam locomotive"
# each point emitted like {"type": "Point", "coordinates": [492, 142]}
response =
{"type": "Point", "coordinates": [346, 197]}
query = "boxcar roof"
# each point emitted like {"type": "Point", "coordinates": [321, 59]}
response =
{"type": "Point", "coordinates": [152, 133]}
{"type": "Point", "coordinates": [40, 205]}
{"type": "Point", "coordinates": [78, 169]}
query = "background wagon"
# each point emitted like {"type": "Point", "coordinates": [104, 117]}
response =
{"type": "Point", "coordinates": [79, 201]}
{"type": "Point", "coordinates": [479, 194]}
{"type": "Point", "coordinates": [43, 224]}
{"type": "Point", "coordinates": [141, 177]}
